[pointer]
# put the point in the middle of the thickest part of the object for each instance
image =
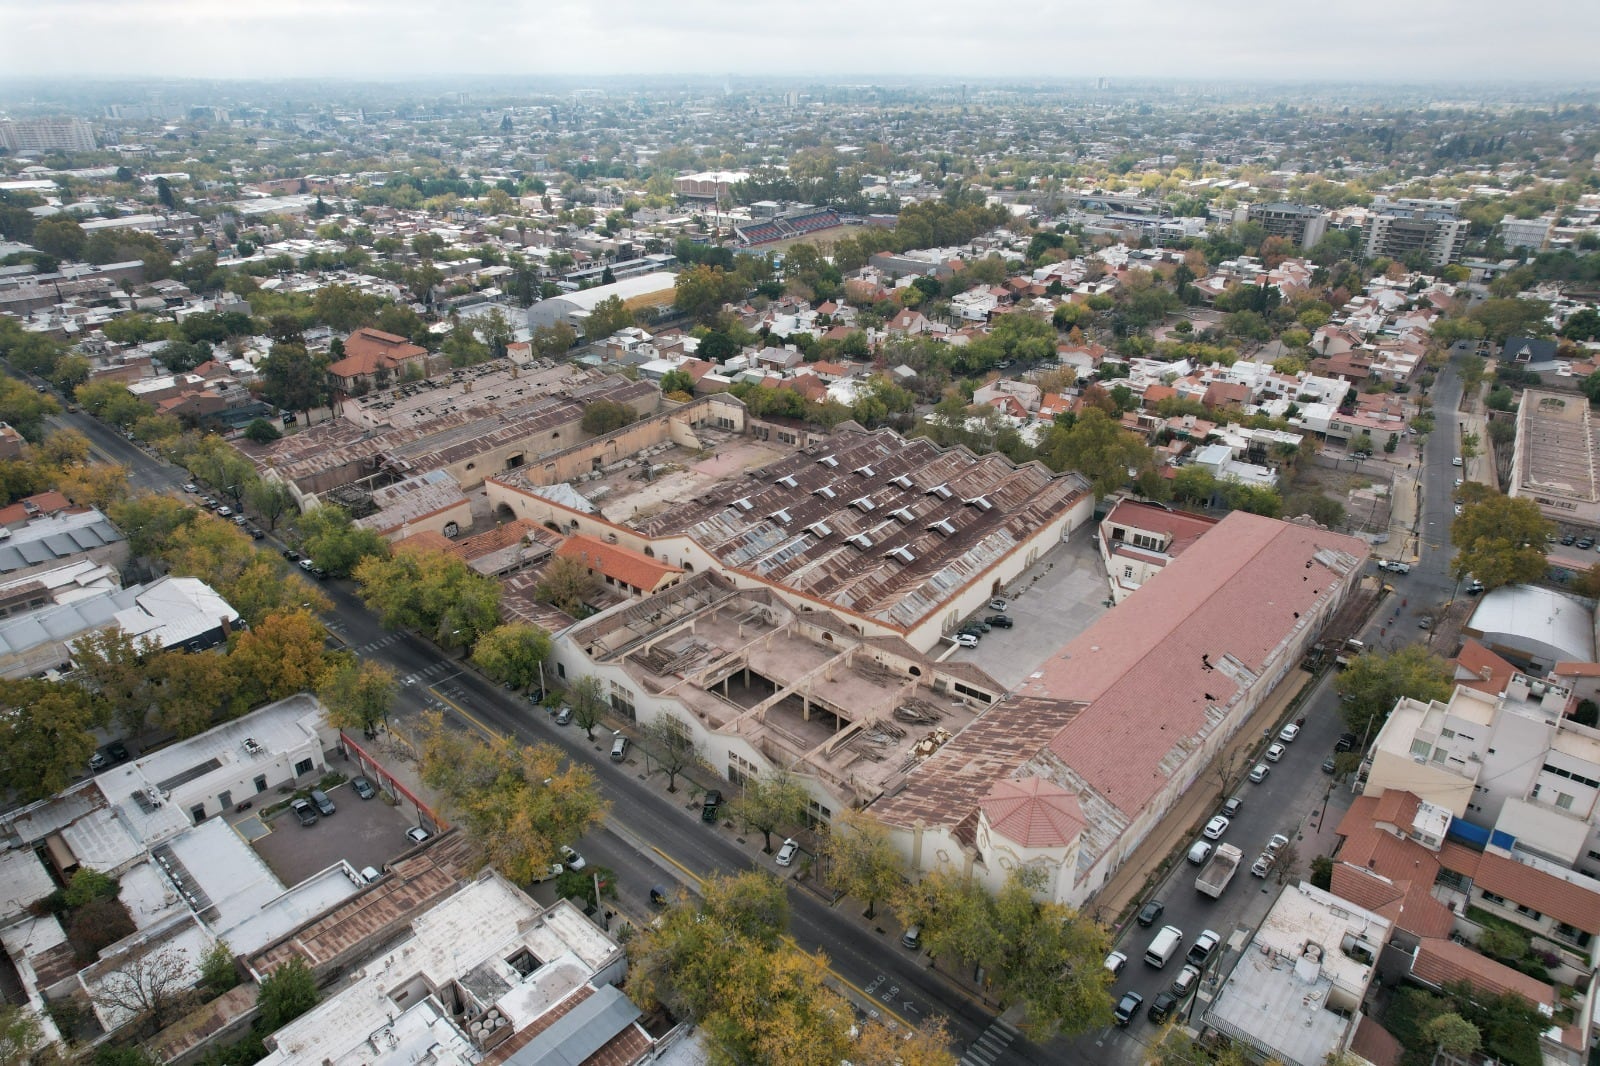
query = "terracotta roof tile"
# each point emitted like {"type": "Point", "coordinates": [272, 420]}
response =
{"type": "Point", "coordinates": [1440, 962]}
{"type": "Point", "coordinates": [618, 563]}
{"type": "Point", "coordinates": [1376, 1044]}
{"type": "Point", "coordinates": [1545, 893]}
{"type": "Point", "coordinates": [1033, 812]}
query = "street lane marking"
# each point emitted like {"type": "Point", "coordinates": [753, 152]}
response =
{"type": "Point", "coordinates": [690, 874]}
{"type": "Point", "coordinates": [878, 1002]}
{"type": "Point", "coordinates": [485, 730]}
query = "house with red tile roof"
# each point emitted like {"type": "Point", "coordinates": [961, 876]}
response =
{"type": "Point", "coordinates": [1126, 716]}
{"type": "Point", "coordinates": [1139, 540]}
{"type": "Point", "coordinates": [621, 568]}
{"type": "Point", "coordinates": [370, 352]}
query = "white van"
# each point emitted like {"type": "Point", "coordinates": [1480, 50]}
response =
{"type": "Point", "coordinates": [1163, 946]}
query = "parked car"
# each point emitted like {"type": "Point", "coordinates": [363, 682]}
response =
{"type": "Point", "coordinates": [224, 512]}
{"type": "Point", "coordinates": [1203, 946]}
{"type": "Point", "coordinates": [416, 834]}
{"type": "Point", "coordinates": [1475, 588]}
{"type": "Point", "coordinates": [912, 938]}
{"type": "Point", "coordinates": [1184, 983]}
{"type": "Point", "coordinates": [1000, 621]}
{"type": "Point", "coordinates": [1277, 843]}
{"type": "Point", "coordinates": [1161, 1007]}
{"type": "Point", "coordinates": [1263, 864]}
{"type": "Point", "coordinates": [619, 748]}
{"type": "Point", "coordinates": [786, 853]}
{"type": "Point", "coordinates": [1585, 543]}
{"type": "Point", "coordinates": [320, 800]}
{"type": "Point", "coordinates": [304, 811]}
{"type": "Point", "coordinates": [1455, 461]}
{"type": "Point", "coordinates": [1215, 828]}
{"type": "Point", "coordinates": [1275, 752]}
{"type": "Point", "coordinates": [1115, 962]}
{"type": "Point", "coordinates": [1233, 806]}
{"type": "Point", "coordinates": [1127, 1008]}
{"type": "Point", "coordinates": [998, 604]}
{"type": "Point", "coordinates": [1151, 912]}
{"type": "Point", "coordinates": [1329, 766]}
{"type": "Point", "coordinates": [563, 715]}
{"type": "Point", "coordinates": [570, 859]}
{"type": "Point", "coordinates": [370, 874]}
{"type": "Point", "coordinates": [290, 554]}
{"type": "Point", "coordinates": [1260, 772]}
{"type": "Point", "coordinates": [710, 804]}
{"type": "Point", "coordinates": [363, 788]}
{"type": "Point", "coordinates": [1346, 742]}
{"type": "Point", "coordinates": [1200, 852]}
{"type": "Point", "coordinates": [1568, 540]}
{"type": "Point", "coordinates": [1288, 733]}
{"type": "Point", "coordinates": [191, 487]}
{"type": "Point", "coordinates": [966, 640]}
{"type": "Point", "coordinates": [256, 532]}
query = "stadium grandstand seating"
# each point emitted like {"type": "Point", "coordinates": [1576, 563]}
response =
{"type": "Point", "coordinates": [786, 227]}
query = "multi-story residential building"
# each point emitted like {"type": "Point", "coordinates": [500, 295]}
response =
{"type": "Point", "coordinates": [1525, 232]}
{"type": "Point", "coordinates": [1302, 224]}
{"type": "Point", "coordinates": [1511, 767]}
{"type": "Point", "coordinates": [1397, 230]}
{"type": "Point", "coordinates": [47, 135]}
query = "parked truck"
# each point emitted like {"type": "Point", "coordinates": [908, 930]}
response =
{"type": "Point", "coordinates": [1216, 874]}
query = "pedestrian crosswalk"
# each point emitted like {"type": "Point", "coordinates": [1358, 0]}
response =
{"type": "Point", "coordinates": [990, 1045]}
{"type": "Point", "coordinates": [381, 642]}
{"type": "Point", "coordinates": [432, 670]}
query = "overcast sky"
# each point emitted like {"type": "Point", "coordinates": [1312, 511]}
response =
{"type": "Point", "coordinates": [1407, 40]}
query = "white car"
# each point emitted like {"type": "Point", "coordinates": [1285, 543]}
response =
{"type": "Point", "coordinates": [787, 852]}
{"type": "Point", "coordinates": [1115, 962]}
{"type": "Point", "coordinates": [1456, 461]}
{"type": "Point", "coordinates": [1288, 733]}
{"type": "Point", "coordinates": [998, 604]}
{"type": "Point", "coordinates": [1275, 752]}
{"type": "Point", "coordinates": [966, 640]}
{"type": "Point", "coordinates": [1215, 828]}
{"type": "Point", "coordinates": [571, 859]}
{"type": "Point", "coordinates": [416, 834]}
{"type": "Point", "coordinates": [1200, 852]}
{"type": "Point", "coordinates": [1259, 774]}
{"type": "Point", "coordinates": [1277, 843]}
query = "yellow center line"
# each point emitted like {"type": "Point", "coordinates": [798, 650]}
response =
{"type": "Point", "coordinates": [690, 874]}
{"type": "Point", "coordinates": [877, 1004]}
{"type": "Point", "coordinates": [485, 730]}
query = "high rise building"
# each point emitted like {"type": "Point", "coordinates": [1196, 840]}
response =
{"type": "Point", "coordinates": [47, 135]}
{"type": "Point", "coordinates": [1302, 224]}
{"type": "Point", "coordinates": [1396, 229]}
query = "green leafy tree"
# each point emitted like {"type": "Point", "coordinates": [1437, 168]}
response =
{"type": "Point", "coordinates": [518, 802]}
{"type": "Point", "coordinates": [218, 972]}
{"type": "Point", "coordinates": [358, 693]}
{"type": "Point", "coordinates": [605, 318]}
{"type": "Point", "coordinates": [861, 859]}
{"type": "Point", "coordinates": [261, 431]}
{"type": "Point", "coordinates": [110, 401]}
{"type": "Point", "coordinates": [603, 416]}
{"type": "Point", "coordinates": [60, 237]}
{"type": "Point", "coordinates": [294, 379]}
{"type": "Point", "coordinates": [20, 1034]}
{"type": "Point", "coordinates": [116, 665]}
{"type": "Point", "coordinates": [771, 800]}
{"type": "Point", "coordinates": [701, 291]}
{"type": "Point", "coordinates": [332, 538]}
{"type": "Point", "coordinates": [286, 993]}
{"type": "Point", "coordinates": [434, 593]}
{"type": "Point", "coordinates": [1373, 683]}
{"type": "Point", "coordinates": [553, 342]}
{"type": "Point", "coordinates": [513, 654]}
{"type": "Point", "coordinates": [1454, 1035]}
{"type": "Point", "coordinates": [1500, 540]}
{"type": "Point", "coordinates": [271, 500]}
{"type": "Point", "coordinates": [677, 381]}
{"type": "Point", "coordinates": [1097, 447]}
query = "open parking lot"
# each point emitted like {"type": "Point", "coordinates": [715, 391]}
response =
{"type": "Point", "coordinates": [363, 833]}
{"type": "Point", "coordinates": [1050, 603]}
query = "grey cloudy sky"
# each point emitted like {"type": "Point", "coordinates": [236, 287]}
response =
{"type": "Point", "coordinates": [1408, 40]}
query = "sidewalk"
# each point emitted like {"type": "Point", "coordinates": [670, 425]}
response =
{"type": "Point", "coordinates": [1155, 855]}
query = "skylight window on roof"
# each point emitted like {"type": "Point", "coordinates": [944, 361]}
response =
{"type": "Point", "coordinates": [788, 481]}
{"type": "Point", "coordinates": [944, 527]}
{"type": "Point", "coordinates": [860, 540]}
{"type": "Point", "coordinates": [781, 515]}
{"type": "Point", "coordinates": [902, 513]}
{"type": "Point", "coordinates": [824, 491]}
{"type": "Point", "coordinates": [828, 460]}
{"type": "Point", "coordinates": [980, 502]}
{"type": "Point", "coordinates": [901, 480]}
{"type": "Point", "coordinates": [743, 503]}
{"type": "Point", "coordinates": [863, 504]}
{"type": "Point", "coordinates": [940, 490]}
{"type": "Point", "coordinates": [902, 553]}
{"type": "Point", "coordinates": [865, 471]}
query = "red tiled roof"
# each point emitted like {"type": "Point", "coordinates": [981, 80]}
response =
{"type": "Point", "coordinates": [1441, 962]}
{"type": "Point", "coordinates": [1376, 1044]}
{"type": "Point", "coordinates": [1545, 893]}
{"type": "Point", "coordinates": [616, 562]}
{"type": "Point", "coordinates": [1146, 667]}
{"type": "Point", "coordinates": [1033, 812]}
{"type": "Point", "coordinates": [1474, 661]}
{"type": "Point", "coordinates": [44, 503]}
{"type": "Point", "coordinates": [367, 349]}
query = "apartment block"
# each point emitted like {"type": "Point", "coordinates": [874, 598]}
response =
{"type": "Point", "coordinates": [47, 135]}
{"type": "Point", "coordinates": [1302, 224]}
